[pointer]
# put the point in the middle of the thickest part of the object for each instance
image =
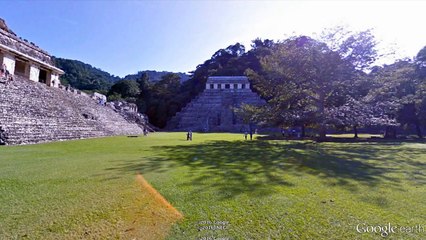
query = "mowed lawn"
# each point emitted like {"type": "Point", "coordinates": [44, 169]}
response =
{"type": "Point", "coordinates": [224, 187]}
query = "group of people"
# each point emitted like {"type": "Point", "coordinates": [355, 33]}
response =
{"type": "Point", "coordinates": [249, 132]}
{"type": "Point", "coordinates": [246, 133]}
{"type": "Point", "coordinates": [189, 136]}
{"type": "Point", "coordinates": [101, 101]}
{"type": "Point", "coordinates": [290, 133]}
{"type": "Point", "coordinates": [5, 74]}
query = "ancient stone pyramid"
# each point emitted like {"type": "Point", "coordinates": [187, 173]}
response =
{"type": "Point", "coordinates": [35, 107]}
{"type": "Point", "coordinates": [214, 108]}
{"type": "Point", "coordinates": [33, 112]}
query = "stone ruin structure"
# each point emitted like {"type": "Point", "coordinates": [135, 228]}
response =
{"type": "Point", "coordinates": [130, 112]}
{"type": "Point", "coordinates": [214, 108]}
{"type": "Point", "coordinates": [34, 107]}
{"type": "Point", "coordinates": [25, 59]}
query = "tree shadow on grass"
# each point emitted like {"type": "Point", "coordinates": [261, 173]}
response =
{"type": "Point", "coordinates": [258, 167]}
{"type": "Point", "coordinates": [397, 141]}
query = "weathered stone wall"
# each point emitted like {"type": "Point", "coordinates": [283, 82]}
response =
{"type": "Point", "coordinates": [32, 112]}
{"type": "Point", "coordinates": [34, 73]}
{"type": "Point", "coordinates": [129, 111]}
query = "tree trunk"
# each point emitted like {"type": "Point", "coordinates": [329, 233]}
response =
{"type": "Point", "coordinates": [321, 109]}
{"type": "Point", "coordinates": [418, 130]}
{"type": "Point", "coordinates": [390, 132]}
{"type": "Point", "coordinates": [303, 131]}
{"type": "Point", "coordinates": [355, 132]}
{"type": "Point", "coordinates": [251, 130]}
{"type": "Point", "coordinates": [322, 132]}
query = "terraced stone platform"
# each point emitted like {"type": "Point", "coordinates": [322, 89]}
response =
{"type": "Point", "coordinates": [32, 112]}
{"type": "Point", "coordinates": [214, 108]}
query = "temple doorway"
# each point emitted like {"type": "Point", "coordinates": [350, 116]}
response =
{"type": "Point", "coordinates": [20, 68]}
{"type": "Point", "coordinates": [42, 77]}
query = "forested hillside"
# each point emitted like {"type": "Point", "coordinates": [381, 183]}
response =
{"type": "Point", "coordinates": [83, 76]}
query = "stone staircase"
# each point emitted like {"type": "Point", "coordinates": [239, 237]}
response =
{"type": "Point", "coordinates": [32, 112]}
{"type": "Point", "coordinates": [214, 110]}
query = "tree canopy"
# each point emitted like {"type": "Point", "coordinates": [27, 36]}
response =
{"type": "Point", "coordinates": [304, 79]}
{"type": "Point", "coordinates": [83, 76]}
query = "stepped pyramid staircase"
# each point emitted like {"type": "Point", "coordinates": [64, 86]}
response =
{"type": "Point", "coordinates": [213, 110]}
{"type": "Point", "coordinates": [32, 112]}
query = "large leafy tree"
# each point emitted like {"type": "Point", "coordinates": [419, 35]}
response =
{"type": "Point", "coordinates": [358, 113]}
{"type": "Point", "coordinates": [420, 62]}
{"type": "Point", "coordinates": [126, 89]}
{"type": "Point", "coordinates": [392, 89]}
{"type": "Point", "coordinates": [400, 89]}
{"type": "Point", "coordinates": [303, 77]}
{"type": "Point", "coordinates": [145, 87]}
{"type": "Point", "coordinates": [163, 100]}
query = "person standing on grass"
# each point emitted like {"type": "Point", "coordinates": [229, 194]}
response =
{"type": "Point", "coordinates": [245, 135]}
{"type": "Point", "coordinates": [190, 135]}
{"type": "Point", "coordinates": [187, 136]}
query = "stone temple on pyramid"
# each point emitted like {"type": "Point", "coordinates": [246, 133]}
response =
{"type": "Point", "coordinates": [214, 109]}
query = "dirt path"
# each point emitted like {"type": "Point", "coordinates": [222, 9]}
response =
{"type": "Point", "coordinates": [152, 215]}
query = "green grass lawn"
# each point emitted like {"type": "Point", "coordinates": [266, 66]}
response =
{"type": "Point", "coordinates": [262, 189]}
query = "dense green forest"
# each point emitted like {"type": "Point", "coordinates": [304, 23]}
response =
{"type": "Point", "coordinates": [83, 76]}
{"type": "Point", "coordinates": [318, 83]}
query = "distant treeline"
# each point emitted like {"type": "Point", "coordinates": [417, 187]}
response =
{"type": "Point", "coordinates": [318, 83]}
{"type": "Point", "coordinates": [84, 76]}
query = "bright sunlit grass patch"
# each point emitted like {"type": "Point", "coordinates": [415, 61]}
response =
{"type": "Point", "coordinates": [224, 187]}
{"type": "Point", "coordinates": [350, 135]}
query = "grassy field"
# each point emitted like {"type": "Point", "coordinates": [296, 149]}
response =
{"type": "Point", "coordinates": [224, 187]}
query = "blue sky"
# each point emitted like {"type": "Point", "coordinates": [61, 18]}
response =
{"type": "Point", "coordinates": [123, 37]}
